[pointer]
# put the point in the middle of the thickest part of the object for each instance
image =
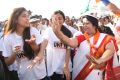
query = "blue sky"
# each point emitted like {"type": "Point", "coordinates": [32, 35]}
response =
{"type": "Point", "coordinates": [45, 7]}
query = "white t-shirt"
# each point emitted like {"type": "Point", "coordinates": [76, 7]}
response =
{"type": "Point", "coordinates": [21, 64]}
{"type": "Point", "coordinates": [1, 33]}
{"type": "Point", "coordinates": [42, 29]}
{"type": "Point", "coordinates": [1, 41]}
{"type": "Point", "coordinates": [1, 44]}
{"type": "Point", "coordinates": [73, 30]}
{"type": "Point", "coordinates": [56, 53]}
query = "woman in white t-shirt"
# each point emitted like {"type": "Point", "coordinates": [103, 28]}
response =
{"type": "Point", "coordinates": [58, 53]}
{"type": "Point", "coordinates": [21, 45]}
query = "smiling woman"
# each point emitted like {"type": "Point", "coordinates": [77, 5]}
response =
{"type": "Point", "coordinates": [91, 43]}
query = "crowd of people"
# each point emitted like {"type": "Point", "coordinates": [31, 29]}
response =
{"type": "Point", "coordinates": [62, 48]}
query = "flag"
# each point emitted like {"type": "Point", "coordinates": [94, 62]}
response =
{"type": "Point", "coordinates": [87, 8]}
{"type": "Point", "coordinates": [98, 1]}
{"type": "Point", "coordinates": [112, 7]}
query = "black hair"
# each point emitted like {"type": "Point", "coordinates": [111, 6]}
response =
{"type": "Point", "coordinates": [28, 51]}
{"type": "Point", "coordinates": [61, 13]}
{"type": "Point", "coordinates": [66, 31]}
{"type": "Point", "coordinates": [107, 30]}
{"type": "Point", "coordinates": [92, 19]}
{"type": "Point", "coordinates": [107, 17]}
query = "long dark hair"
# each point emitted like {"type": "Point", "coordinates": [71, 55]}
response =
{"type": "Point", "coordinates": [11, 27]}
{"type": "Point", "coordinates": [28, 51]}
{"type": "Point", "coordinates": [12, 22]}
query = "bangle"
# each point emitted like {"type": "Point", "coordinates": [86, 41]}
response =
{"type": "Point", "coordinates": [34, 61]}
{"type": "Point", "coordinates": [105, 2]}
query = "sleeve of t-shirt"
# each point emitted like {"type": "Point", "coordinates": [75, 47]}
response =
{"type": "Point", "coordinates": [74, 30]}
{"type": "Point", "coordinates": [80, 38]}
{"type": "Point", "coordinates": [35, 32]}
{"type": "Point", "coordinates": [77, 34]}
{"type": "Point", "coordinates": [1, 43]}
{"type": "Point", "coordinates": [46, 34]}
{"type": "Point", "coordinates": [7, 47]}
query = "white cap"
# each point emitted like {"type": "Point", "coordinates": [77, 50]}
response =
{"type": "Point", "coordinates": [33, 20]}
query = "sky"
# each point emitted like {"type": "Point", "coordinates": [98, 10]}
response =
{"type": "Point", "coordinates": [42, 7]}
{"type": "Point", "coordinates": [45, 7]}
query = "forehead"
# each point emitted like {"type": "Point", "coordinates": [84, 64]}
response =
{"type": "Point", "coordinates": [85, 20]}
{"type": "Point", "coordinates": [58, 14]}
{"type": "Point", "coordinates": [25, 13]}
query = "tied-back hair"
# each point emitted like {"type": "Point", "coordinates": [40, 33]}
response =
{"type": "Point", "coordinates": [63, 28]}
{"type": "Point", "coordinates": [66, 31]}
{"type": "Point", "coordinates": [107, 30]}
{"type": "Point", "coordinates": [28, 51]}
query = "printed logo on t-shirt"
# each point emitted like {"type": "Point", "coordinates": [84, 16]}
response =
{"type": "Point", "coordinates": [60, 45]}
{"type": "Point", "coordinates": [20, 54]}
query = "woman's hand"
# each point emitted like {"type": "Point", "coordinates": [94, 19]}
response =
{"type": "Point", "coordinates": [17, 49]}
{"type": "Point", "coordinates": [35, 61]}
{"type": "Point", "coordinates": [67, 73]}
{"type": "Point", "coordinates": [93, 60]}
{"type": "Point", "coordinates": [96, 63]}
{"type": "Point", "coordinates": [32, 40]}
{"type": "Point", "coordinates": [55, 23]}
